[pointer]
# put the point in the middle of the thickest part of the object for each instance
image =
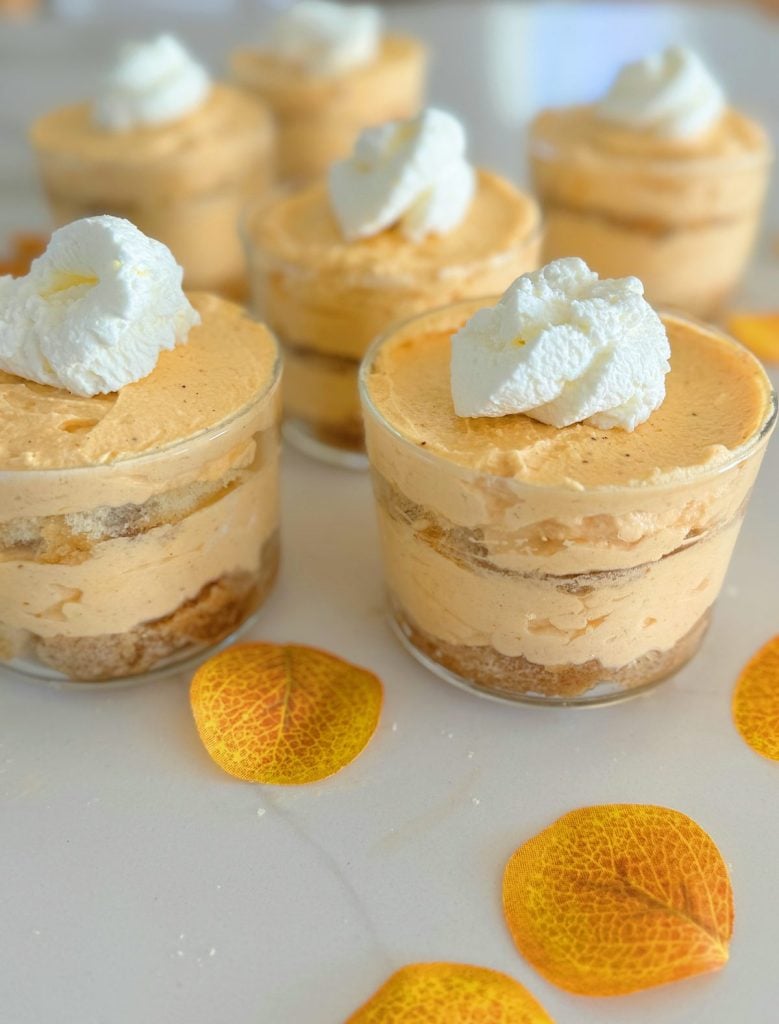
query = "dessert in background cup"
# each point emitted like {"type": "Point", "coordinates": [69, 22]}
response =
{"type": "Point", "coordinates": [660, 179]}
{"type": "Point", "coordinates": [327, 71]}
{"type": "Point", "coordinates": [403, 225]}
{"type": "Point", "coordinates": [169, 150]}
{"type": "Point", "coordinates": [138, 460]}
{"type": "Point", "coordinates": [557, 512]}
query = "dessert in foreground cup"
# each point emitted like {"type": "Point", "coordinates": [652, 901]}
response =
{"type": "Point", "coordinates": [404, 225]}
{"type": "Point", "coordinates": [556, 511]}
{"type": "Point", "coordinates": [164, 147]}
{"type": "Point", "coordinates": [327, 71]}
{"type": "Point", "coordinates": [138, 461]}
{"type": "Point", "coordinates": [660, 179]}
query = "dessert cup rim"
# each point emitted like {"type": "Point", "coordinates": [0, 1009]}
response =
{"type": "Point", "coordinates": [144, 132]}
{"type": "Point", "coordinates": [286, 190]}
{"type": "Point", "coordinates": [542, 149]}
{"type": "Point", "coordinates": [738, 455]}
{"type": "Point", "coordinates": [710, 163]}
{"type": "Point", "coordinates": [142, 458]}
{"type": "Point", "coordinates": [263, 51]}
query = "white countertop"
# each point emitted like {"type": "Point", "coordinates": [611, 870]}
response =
{"type": "Point", "coordinates": [141, 884]}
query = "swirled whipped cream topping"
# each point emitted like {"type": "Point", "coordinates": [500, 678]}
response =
{"type": "Point", "coordinates": [670, 94]}
{"type": "Point", "coordinates": [325, 38]}
{"type": "Point", "coordinates": [413, 174]}
{"type": "Point", "coordinates": [152, 83]}
{"type": "Point", "coordinates": [95, 310]}
{"type": "Point", "coordinates": [563, 347]}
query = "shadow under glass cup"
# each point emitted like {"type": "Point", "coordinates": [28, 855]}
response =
{"type": "Point", "coordinates": [326, 307]}
{"type": "Point", "coordinates": [550, 594]}
{"type": "Point", "coordinates": [132, 569]}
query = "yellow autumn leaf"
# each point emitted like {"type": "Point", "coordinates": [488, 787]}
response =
{"type": "Point", "coordinates": [440, 993]}
{"type": "Point", "coordinates": [620, 897]}
{"type": "Point", "coordinates": [759, 332]}
{"type": "Point", "coordinates": [283, 714]}
{"type": "Point", "coordinates": [756, 701]}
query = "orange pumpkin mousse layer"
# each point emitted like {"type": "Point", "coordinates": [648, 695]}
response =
{"type": "Point", "coordinates": [141, 526]}
{"type": "Point", "coordinates": [318, 117]}
{"type": "Point", "coordinates": [184, 182]}
{"type": "Point", "coordinates": [680, 214]}
{"type": "Point", "coordinates": [327, 298]}
{"type": "Point", "coordinates": [573, 563]}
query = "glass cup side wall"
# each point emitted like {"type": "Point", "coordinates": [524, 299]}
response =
{"type": "Point", "coordinates": [549, 595]}
{"type": "Point", "coordinates": [133, 568]}
{"type": "Point", "coordinates": [318, 118]}
{"type": "Point", "coordinates": [686, 229]}
{"type": "Point", "coordinates": [324, 333]}
{"type": "Point", "coordinates": [197, 224]}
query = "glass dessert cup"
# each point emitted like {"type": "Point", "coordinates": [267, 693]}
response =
{"type": "Point", "coordinates": [318, 117]}
{"type": "Point", "coordinates": [684, 224]}
{"type": "Point", "coordinates": [130, 569]}
{"type": "Point", "coordinates": [326, 299]}
{"type": "Point", "coordinates": [548, 594]}
{"type": "Point", "coordinates": [184, 183]}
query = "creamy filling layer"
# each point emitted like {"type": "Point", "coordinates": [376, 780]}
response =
{"type": "Point", "coordinates": [528, 552]}
{"type": "Point", "coordinates": [318, 117]}
{"type": "Point", "coordinates": [217, 610]}
{"type": "Point", "coordinates": [321, 391]}
{"type": "Point", "coordinates": [578, 158]}
{"type": "Point", "coordinates": [70, 539]}
{"type": "Point", "coordinates": [693, 268]}
{"type": "Point", "coordinates": [485, 669]}
{"type": "Point", "coordinates": [156, 569]}
{"type": "Point", "coordinates": [200, 229]}
{"type": "Point", "coordinates": [614, 618]}
{"type": "Point", "coordinates": [228, 137]}
{"type": "Point", "coordinates": [653, 227]}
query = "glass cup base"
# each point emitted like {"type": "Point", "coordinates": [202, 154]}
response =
{"type": "Point", "coordinates": [301, 435]}
{"type": "Point", "coordinates": [597, 696]}
{"type": "Point", "coordinates": [183, 662]}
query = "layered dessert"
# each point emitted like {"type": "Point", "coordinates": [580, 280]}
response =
{"type": "Point", "coordinates": [660, 178]}
{"type": "Point", "coordinates": [404, 225]}
{"type": "Point", "coordinates": [138, 460]}
{"type": "Point", "coordinates": [168, 149]}
{"type": "Point", "coordinates": [557, 510]}
{"type": "Point", "coordinates": [327, 71]}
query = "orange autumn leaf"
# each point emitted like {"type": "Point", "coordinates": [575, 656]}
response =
{"type": "Point", "coordinates": [759, 332]}
{"type": "Point", "coordinates": [617, 898]}
{"type": "Point", "coordinates": [756, 701]}
{"type": "Point", "coordinates": [283, 714]}
{"type": "Point", "coordinates": [450, 994]}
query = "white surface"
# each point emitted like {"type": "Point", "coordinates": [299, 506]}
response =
{"type": "Point", "coordinates": [140, 884]}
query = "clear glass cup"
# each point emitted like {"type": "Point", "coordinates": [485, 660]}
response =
{"type": "Point", "coordinates": [683, 223]}
{"type": "Point", "coordinates": [541, 594]}
{"type": "Point", "coordinates": [184, 183]}
{"type": "Point", "coordinates": [132, 569]}
{"type": "Point", "coordinates": [318, 117]}
{"type": "Point", "coordinates": [325, 319]}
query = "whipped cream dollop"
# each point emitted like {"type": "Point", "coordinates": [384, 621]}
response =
{"type": "Point", "coordinates": [152, 83]}
{"type": "Point", "coordinates": [95, 310]}
{"type": "Point", "coordinates": [408, 173]}
{"type": "Point", "coordinates": [562, 346]}
{"type": "Point", "coordinates": [670, 94]}
{"type": "Point", "coordinates": [325, 38]}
